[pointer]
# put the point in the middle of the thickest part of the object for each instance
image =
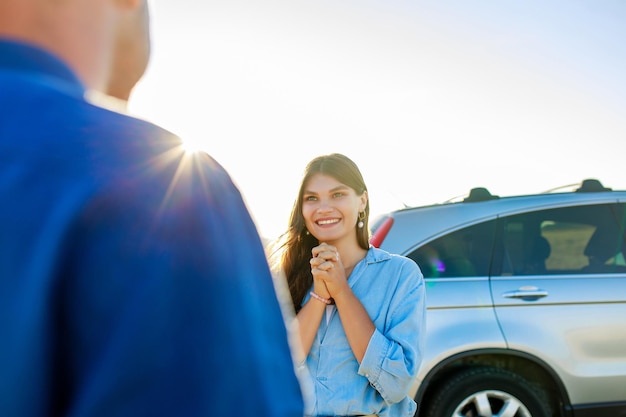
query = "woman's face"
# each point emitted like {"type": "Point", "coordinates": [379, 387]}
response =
{"type": "Point", "coordinates": [331, 209]}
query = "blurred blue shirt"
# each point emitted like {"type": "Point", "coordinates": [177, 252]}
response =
{"type": "Point", "coordinates": [132, 279]}
{"type": "Point", "coordinates": [391, 288]}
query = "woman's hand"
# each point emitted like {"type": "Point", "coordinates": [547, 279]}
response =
{"type": "Point", "coordinates": [329, 276]}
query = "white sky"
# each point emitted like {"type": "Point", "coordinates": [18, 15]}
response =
{"type": "Point", "coordinates": [430, 98]}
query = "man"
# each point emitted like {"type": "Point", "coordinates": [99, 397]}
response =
{"type": "Point", "coordinates": [132, 279]}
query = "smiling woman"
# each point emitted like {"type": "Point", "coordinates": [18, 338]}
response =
{"type": "Point", "coordinates": [334, 278]}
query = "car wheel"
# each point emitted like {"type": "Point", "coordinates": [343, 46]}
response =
{"type": "Point", "coordinates": [487, 392]}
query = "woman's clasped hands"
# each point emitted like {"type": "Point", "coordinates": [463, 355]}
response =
{"type": "Point", "coordinates": [329, 277]}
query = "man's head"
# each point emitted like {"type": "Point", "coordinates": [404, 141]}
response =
{"type": "Point", "coordinates": [105, 42]}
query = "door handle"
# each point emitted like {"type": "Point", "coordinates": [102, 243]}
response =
{"type": "Point", "coordinates": [526, 293]}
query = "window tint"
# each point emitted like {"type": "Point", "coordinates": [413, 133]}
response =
{"type": "Point", "coordinates": [584, 239]}
{"type": "Point", "coordinates": [463, 253]}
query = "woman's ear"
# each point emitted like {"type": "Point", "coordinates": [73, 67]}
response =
{"type": "Point", "coordinates": [364, 197]}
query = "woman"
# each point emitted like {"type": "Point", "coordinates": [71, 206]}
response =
{"type": "Point", "coordinates": [359, 310]}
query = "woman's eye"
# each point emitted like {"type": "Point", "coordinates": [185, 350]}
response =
{"type": "Point", "coordinates": [310, 198]}
{"type": "Point", "coordinates": [337, 195]}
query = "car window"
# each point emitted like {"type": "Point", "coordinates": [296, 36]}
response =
{"type": "Point", "coordinates": [463, 253]}
{"type": "Point", "coordinates": [583, 239]}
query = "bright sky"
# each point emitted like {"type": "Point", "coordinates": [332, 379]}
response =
{"type": "Point", "coordinates": [429, 97]}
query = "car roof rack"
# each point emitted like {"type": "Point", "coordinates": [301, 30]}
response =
{"type": "Point", "coordinates": [591, 186]}
{"type": "Point", "coordinates": [479, 194]}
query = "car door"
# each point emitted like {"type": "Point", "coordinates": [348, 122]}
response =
{"type": "Point", "coordinates": [460, 315]}
{"type": "Point", "coordinates": [559, 291]}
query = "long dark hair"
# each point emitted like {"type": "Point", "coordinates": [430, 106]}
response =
{"type": "Point", "coordinates": [296, 243]}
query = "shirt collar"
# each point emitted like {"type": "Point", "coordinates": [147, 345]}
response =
{"type": "Point", "coordinates": [375, 255]}
{"type": "Point", "coordinates": [20, 56]}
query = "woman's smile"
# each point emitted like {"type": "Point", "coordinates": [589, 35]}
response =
{"type": "Point", "coordinates": [327, 222]}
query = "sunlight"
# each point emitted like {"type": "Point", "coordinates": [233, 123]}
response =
{"type": "Point", "coordinates": [190, 146]}
{"type": "Point", "coordinates": [184, 161]}
{"type": "Point", "coordinates": [189, 177]}
{"type": "Point", "coordinates": [404, 88]}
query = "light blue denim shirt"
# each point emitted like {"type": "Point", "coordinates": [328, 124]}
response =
{"type": "Point", "coordinates": [391, 288]}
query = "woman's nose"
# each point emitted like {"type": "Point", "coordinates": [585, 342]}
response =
{"type": "Point", "coordinates": [324, 206]}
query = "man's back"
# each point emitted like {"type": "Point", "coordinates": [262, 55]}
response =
{"type": "Point", "coordinates": [132, 279]}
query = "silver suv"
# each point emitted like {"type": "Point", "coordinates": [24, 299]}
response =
{"type": "Point", "coordinates": [526, 301]}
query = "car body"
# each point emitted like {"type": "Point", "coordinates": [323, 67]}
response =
{"type": "Point", "coordinates": [526, 302]}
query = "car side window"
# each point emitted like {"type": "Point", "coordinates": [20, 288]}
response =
{"type": "Point", "coordinates": [462, 253]}
{"type": "Point", "coordinates": [580, 240]}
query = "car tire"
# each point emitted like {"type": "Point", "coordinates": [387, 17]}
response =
{"type": "Point", "coordinates": [487, 392]}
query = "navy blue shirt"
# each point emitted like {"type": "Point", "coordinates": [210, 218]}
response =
{"type": "Point", "coordinates": [133, 281]}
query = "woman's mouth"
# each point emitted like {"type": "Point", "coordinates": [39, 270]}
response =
{"type": "Point", "coordinates": [327, 222]}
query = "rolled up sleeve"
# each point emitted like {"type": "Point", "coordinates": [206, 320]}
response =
{"type": "Point", "coordinates": [392, 358]}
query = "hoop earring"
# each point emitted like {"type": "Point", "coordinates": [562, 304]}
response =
{"type": "Point", "coordinates": [360, 224]}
